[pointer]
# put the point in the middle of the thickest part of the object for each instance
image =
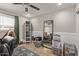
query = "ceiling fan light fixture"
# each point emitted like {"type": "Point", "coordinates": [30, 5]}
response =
{"type": "Point", "coordinates": [28, 15]}
{"type": "Point", "coordinates": [59, 3]}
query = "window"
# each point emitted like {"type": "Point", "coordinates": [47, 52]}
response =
{"type": "Point", "coordinates": [6, 22]}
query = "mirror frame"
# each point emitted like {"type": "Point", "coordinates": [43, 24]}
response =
{"type": "Point", "coordinates": [44, 31]}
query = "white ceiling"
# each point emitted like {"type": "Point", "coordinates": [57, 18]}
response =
{"type": "Point", "coordinates": [44, 8]}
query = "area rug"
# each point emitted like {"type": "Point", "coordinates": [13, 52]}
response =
{"type": "Point", "coordinates": [22, 51]}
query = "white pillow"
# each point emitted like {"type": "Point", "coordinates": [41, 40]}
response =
{"type": "Point", "coordinates": [8, 38]}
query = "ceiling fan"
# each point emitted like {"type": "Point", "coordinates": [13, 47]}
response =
{"type": "Point", "coordinates": [28, 4]}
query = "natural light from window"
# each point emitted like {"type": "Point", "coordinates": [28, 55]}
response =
{"type": "Point", "coordinates": [6, 22]}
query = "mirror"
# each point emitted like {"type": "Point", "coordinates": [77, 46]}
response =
{"type": "Point", "coordinates": [47, 33]}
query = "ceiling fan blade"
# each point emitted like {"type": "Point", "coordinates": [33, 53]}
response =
{"type": "Point", "coordinates": [17, 3]}
{"type": "Point", "coordinates": [34, 7]}
{"type": "Point", "coordinates": [20, 3]}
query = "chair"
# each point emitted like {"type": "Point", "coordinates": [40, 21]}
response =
{"type": "Point", "coordinates": [56, 44]}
